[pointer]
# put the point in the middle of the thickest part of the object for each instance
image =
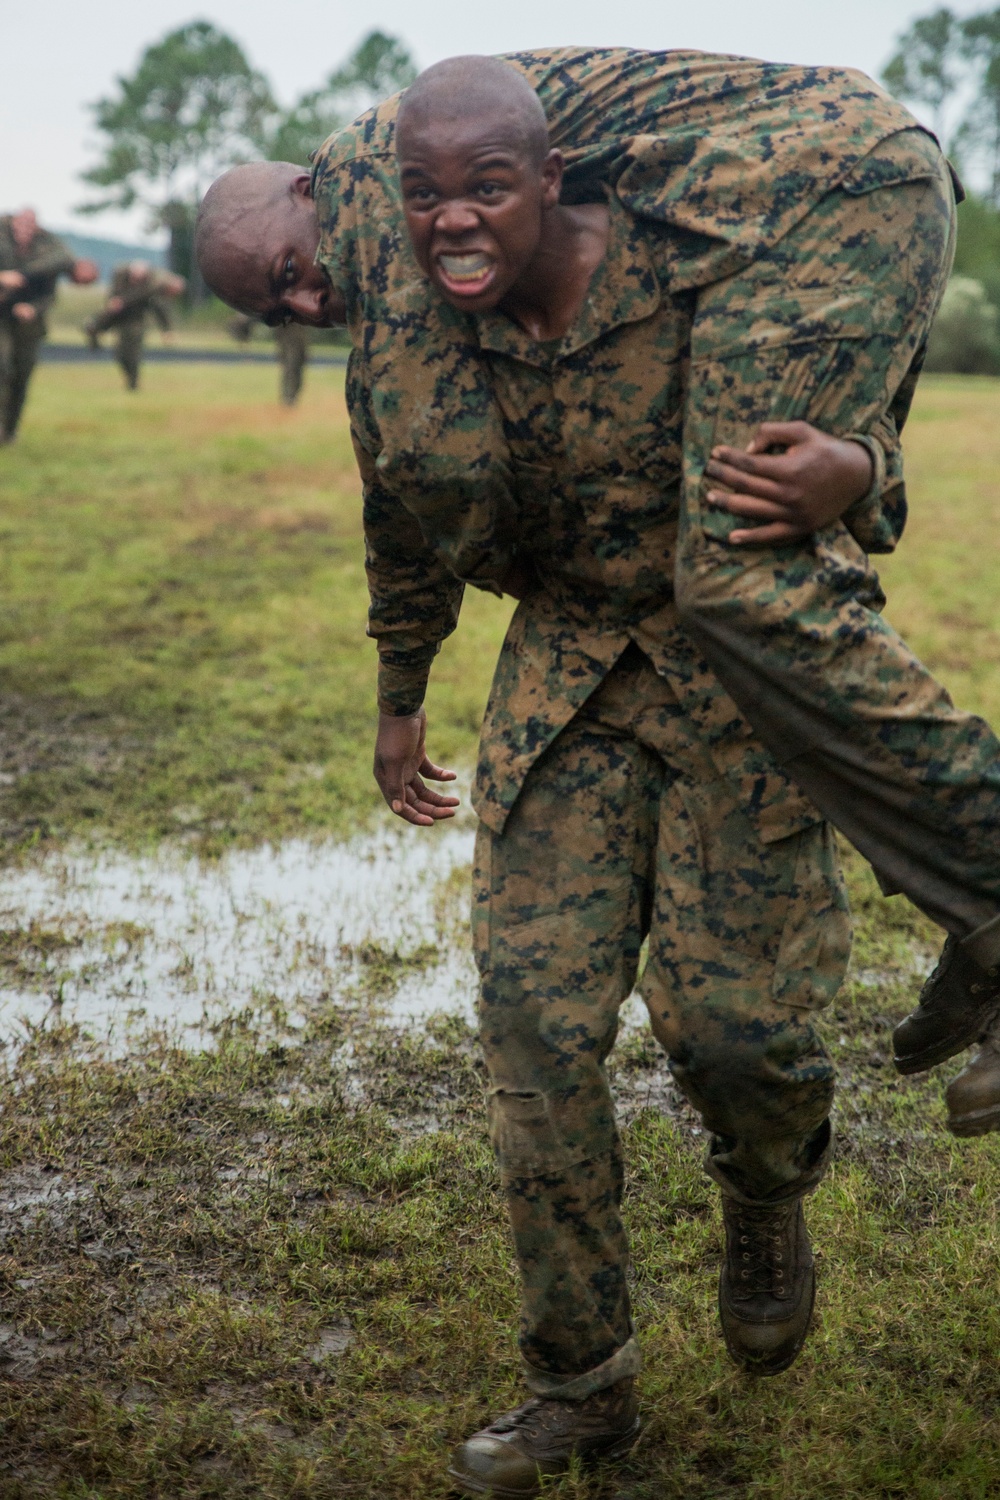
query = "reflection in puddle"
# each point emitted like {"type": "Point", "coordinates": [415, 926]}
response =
{"type": "Point", "coordinates": [123, 942]}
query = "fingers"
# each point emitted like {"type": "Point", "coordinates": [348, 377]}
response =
{"type": "Point", "coordinates": [787, 434]}
{"type": "Point", "coordinates": [744, 479]}
{"type": "Point", "coordinates": [424, 807]}
{"type": "Point", "coordinates": [769, 536]}
{"type": "Point", "coordinates": [436, 773]}
{"type": "Point", "coordinates": [754, 509]}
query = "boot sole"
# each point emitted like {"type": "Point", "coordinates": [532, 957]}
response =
{"type": "Point", "coordinates": [977, 1122]}
{"type": "Point", "coordinates": [620, 1449]}
{"type": "Point", "coordinates": [919, 1062]}
{"type": "Point", "coordinates": [766, 1368]}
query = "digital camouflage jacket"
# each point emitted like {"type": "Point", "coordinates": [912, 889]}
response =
{"type": "Point", "coordinates": [472, 441]}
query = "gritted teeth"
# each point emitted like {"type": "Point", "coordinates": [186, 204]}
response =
{"type": "Point", "coordinates": [465, 266]}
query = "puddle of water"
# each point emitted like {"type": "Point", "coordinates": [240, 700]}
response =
{"type": "Point", "coordinates": [271, 929]}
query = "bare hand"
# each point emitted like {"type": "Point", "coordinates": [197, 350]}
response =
{"type": "Point", "coordinates": [12, 281]}
{"type": "Point", "coordinates": [115, 304]}
{"type": "Point", "coordinates": [24, 312]}
{"type": "Point", "coordinates": [400, 763]}
{"type": "Point", "coordinates": [794, 493]}
{"type": "Point", "coordinates": [84, 272]}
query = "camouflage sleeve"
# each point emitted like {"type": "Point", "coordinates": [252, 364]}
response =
{"type": "Point", "coordinates": [414, 599]}
{"type": "Point", "coordinates": [876, 521]}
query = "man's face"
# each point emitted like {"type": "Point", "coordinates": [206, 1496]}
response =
{"type": "Point", "coordinates": [474, 205]}
{"type": "Point", "coordinates": [281, 282]}
{"type": "Point", "coordinates": [25, 226]}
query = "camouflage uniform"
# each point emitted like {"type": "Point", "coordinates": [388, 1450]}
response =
{"type": "Point", "coordinates": [42, 262]}
{"type": "Point", "coordinates": [612, 759]}
{"type": "Point", "coordinates": [751, 168]}
{"type": "Point", "coordinates": [292, 340]}
{"type": "Point", "coordinates": [143, 299]}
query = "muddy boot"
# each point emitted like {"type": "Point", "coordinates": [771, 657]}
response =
{"type": "Point", "coordinates": [957, 1003]}
{"type": "Point", "coordinates": [511, 1455]}
{"type": "Point", "coordinates": [974, 1096]}
{"type": "Point", "coordinates": [768, 1284]}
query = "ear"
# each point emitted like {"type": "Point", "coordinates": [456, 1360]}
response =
{"type": "Point", "coordinates": [552, 176]}
{"type": "Point", "coordinates": [302, 185]}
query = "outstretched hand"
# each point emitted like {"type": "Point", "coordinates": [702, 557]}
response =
{"type": "Point", "coordinates": [400, 764]}
{"type": "Point", "coordinates": [790, 494]}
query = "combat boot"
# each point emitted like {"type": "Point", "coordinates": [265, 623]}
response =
{"type": "Point", "coordinates": [974, 1096]}
{"type": "Point", "coordinates": [957, 1003]}
{"type": "Point", "coordinates": [768, 1284]}
{"type": "Point", "coordinates": [511, 1456]}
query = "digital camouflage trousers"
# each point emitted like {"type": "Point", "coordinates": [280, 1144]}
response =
{"type": "Point", "coordinates": [625, 829]}
{"type": "Point", "coordinates": [829, 326]}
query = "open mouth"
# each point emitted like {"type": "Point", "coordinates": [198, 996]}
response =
{"type": "Point", "coordinates": [466, 273]}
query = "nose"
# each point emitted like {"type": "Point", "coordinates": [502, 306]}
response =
{"type": "Point", "coordinates": [456, 218]}
{"type": "Point", "coordinates": [307, 303]}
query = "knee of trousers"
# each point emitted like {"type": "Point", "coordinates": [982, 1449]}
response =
{"type": "Point", "coordinates": [768, 1078]}
{"type": "Point", "coordinates": [539, 1132]}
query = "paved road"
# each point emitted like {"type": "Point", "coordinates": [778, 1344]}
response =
{"type": "Point", "coordinates": [81, 354]}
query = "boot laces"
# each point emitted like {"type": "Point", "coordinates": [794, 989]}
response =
{"type": "Point", "coordinates": [763, 1261]}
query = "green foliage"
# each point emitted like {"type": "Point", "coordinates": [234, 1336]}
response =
{"type": "Point", "coordinates": [923, 68]}
{"type": "Point", "coordinates": [965, 339]}
{"type": "Point", "coordinates": [379, 66]}
{"type": "Point", "coordinates": [940, 61]}
{"type": "Point", "coordinates": [182, 613]}
{"type": "Point", "coordinates": [193, 107]}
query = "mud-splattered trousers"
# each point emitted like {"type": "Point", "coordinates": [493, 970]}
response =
{"type": "Point", "coordinates": [626, 827]}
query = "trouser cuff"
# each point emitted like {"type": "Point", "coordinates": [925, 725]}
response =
{"type": "Point", "coordinates": [624, 1363]}
{"type": "Point", "coordinates": [983, 945]}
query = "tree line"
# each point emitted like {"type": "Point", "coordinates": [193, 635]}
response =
{"type": "Point", "coordinates": [950, 67]}
{"type": "Point", "coordinates": [195, 105]}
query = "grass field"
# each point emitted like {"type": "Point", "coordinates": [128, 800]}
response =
{"type": "Point", "coordinates": [277, 1268]}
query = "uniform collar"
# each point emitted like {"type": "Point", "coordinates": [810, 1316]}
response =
{"type": "Point", "coordinates": [623, 289]}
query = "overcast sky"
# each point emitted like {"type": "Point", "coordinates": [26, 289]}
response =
{"type": "Point", "coordinates": [57, 58]}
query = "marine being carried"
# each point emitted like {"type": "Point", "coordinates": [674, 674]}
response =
{"type": "Point", "coordinates": [138, 291]}
{"type": "Point", "coordinates": [32, 259]}
{"type": "Point", "coordinates": [571, 364]}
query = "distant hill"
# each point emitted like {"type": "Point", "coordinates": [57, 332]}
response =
{"type": "Point", "coordinates": [108, 253]}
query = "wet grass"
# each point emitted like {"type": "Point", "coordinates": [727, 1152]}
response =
{"type": "Point", "coordinates": [279, 1268]}
{"type": "Point", "coordinates": [182, 645]}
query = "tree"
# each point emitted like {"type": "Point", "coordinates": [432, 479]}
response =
{"type": "Point", "coordinates": [193, 107]}
{"type": "Point", "coordinates": [923, 68]}
{"type": "Point", "coordinates": [378, 66]}
{"type": "Point", "coordinates": [979, 136]}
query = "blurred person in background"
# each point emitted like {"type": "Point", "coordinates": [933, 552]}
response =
{"type": "Point", "coordinates": [31, 261]}
{"type": "Point", "coordinates": [292, 341]}
{"type": "Point", "coordinates": [138, 291]}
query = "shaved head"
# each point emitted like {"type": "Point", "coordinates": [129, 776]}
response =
{"type": "Point", "coordinates": [234, 211]}
{"type": "Point", "coordinates": [256, 242]}
{"type": "Point", "coordinates": [465, 89]}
